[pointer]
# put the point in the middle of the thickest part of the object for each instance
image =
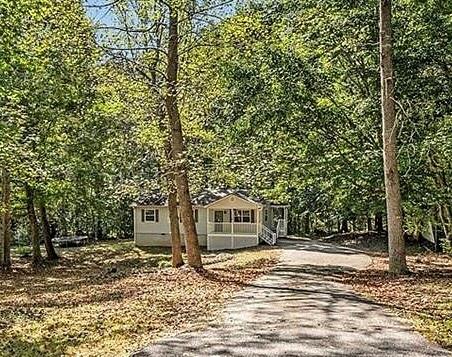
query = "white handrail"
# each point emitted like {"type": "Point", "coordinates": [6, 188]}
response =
{"type": "Point", "coordinates": [268, 235]}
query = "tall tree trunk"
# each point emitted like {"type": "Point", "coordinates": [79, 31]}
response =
{"type": "Point", "coordinates": [442, 184]}
{"type": "Point", "coordinates": [176, 248]}
{"type": "Point", "coordinates": [379, 222]}
{"type": "Point", "coordinates": [34, 231]}
{"type": "Point", "coordinates": [181, 177]}
{"type": "Point", "coordinates": [397, 255]}
{"type": "Point", "coordinates": [46, 233]}
{"type": "Point", "coordinates": [445, 219]}
{"type": "Point", "coordinates": [344, 226]}
{"type": "Point", "coordinates": [5, 231]}
{"type": "Point", "coordinates": [307, 224]}
{"type": "Point", "coordinates": [369, 224]}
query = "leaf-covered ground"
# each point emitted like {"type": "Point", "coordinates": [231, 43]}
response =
{"type": "Point", "coordinates": [424, 297]}
{"type": "Point", "coordinates": [111, 298]}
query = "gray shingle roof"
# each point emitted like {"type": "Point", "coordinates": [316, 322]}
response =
{"type": "Point", "coordinates": [151, 199]}
{"type": "Point", "coordinates": [209, 196]}
{"type": "Point", "coordinates": [202, 199]}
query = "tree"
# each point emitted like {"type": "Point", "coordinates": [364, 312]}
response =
{"type": "Point", "coordinates": [46, 232]}
{"type": "Point", "coordinates": [138, 43]}
{"type": "Point", "coordinates": [5, 223]}
{"type": "Point", "coordinates": [37, 260]}
{"type": "Point", "coordinates": [397, 254]}
{"type": "Point", "coordinates": [177, 145]}
{"type": "Point", "coordinates": [176, 248]}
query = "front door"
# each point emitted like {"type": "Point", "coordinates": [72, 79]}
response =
{"type": "Point", "coordinates": [218, 219]}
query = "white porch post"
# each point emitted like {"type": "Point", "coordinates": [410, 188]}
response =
{"type": "Point", "coordinates": [208, 228]}
{"type": "Point", "coordinates": [258, 225]}
{"type": "Point", "coordinates": [231, 221]}
{"type": "Point", "coordinates": [286, 218]}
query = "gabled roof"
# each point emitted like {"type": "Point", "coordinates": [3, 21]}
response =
{"type": "Point", "coordinates": [205, 198]}
{"type": "Point", "coordinates": [208, 197]}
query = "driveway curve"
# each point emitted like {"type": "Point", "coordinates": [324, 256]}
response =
{"type": "Point", "coordinates": [299, 310]}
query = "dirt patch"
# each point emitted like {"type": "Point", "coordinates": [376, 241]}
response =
{"type": "Point", "coordinates": [112, 298]}
{"type": "Point", "coordinates": [423, 297]}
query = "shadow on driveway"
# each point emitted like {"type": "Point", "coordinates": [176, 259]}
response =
{"type": "Point", "coordinates": [299, 310]}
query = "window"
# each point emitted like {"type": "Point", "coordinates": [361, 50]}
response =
{"type": "Point", "coordinates": [150, 215]}
{"type": "Point", "coordinates": [243, 216]}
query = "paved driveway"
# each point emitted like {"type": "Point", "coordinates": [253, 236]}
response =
{"type": "Point", "coordinates": [297, 310]}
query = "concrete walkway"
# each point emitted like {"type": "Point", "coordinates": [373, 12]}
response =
{"type": "Point", "coordinates": [297, 310]}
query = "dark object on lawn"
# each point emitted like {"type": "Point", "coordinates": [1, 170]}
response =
{"type": "Point", "coordinates": [71, 241]}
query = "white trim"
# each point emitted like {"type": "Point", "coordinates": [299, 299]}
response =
{"type": "Point", "coordinates": [259, 224]}
{"type": "Point", "coordinates": [249, 200]}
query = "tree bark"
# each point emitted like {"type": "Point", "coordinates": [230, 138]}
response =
{"type": "Point", "coordinates": [307, 224]}
{"type": "Point", "coordinates": [176, 248]}
{"type": "Point", "coordinates": [344, 226]}
{"type": "Point", "coordinates": [396, 242]}
{"type": "Point", "coordinates": [181, 177]}
{"type": "Point", "coordinates": [5, 232]}
{"type": "Point", "coordinates": [379, 222]}
{"type": "Point", "coordinates": [369, 224]}
{"type": "Point", "coordinates": [47, 234]}
{"type": "Point", "coordinates": [34, 231]}
{"type": "Point", "coordinates": [442, 184]}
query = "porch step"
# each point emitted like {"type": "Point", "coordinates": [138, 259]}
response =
{"type": "Point", "coordinates": [266, 239]}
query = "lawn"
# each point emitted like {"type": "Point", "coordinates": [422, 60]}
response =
{"type": "Point", "coordinates": [111, 298]}
{"type": "Point", "coordinates": [424, 297]}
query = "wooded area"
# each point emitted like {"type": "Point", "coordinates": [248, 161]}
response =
{"type": "Point", "coordinates": [278, 97]}
{"type": "Point", "coordinates": [338, 112]}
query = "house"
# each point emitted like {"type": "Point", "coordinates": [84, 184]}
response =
{"type": "Point", "coordinates": [225, 219]}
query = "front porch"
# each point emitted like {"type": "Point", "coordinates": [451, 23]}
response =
{"type": "Point", "coordinates": [232, 228]}
{"type": "Point", "coordinates": [240, 227]}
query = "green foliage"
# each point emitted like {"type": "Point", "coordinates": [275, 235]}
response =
{"type": "Point", "coordinates": [292, 93]}
{"type": "Point", "coordinates": [23, 251]}
{"type": "Point", "coordinates": [281, 97]}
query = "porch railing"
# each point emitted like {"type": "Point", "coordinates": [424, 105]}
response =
{"type": "Point", "coordinates": [232, 228]}
{"type": "Point", "coordinates": [268, 236]}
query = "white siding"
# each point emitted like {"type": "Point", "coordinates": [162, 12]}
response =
{"type": "Point", "coordinates": [162, 240]}
{"type": "Point", "coordinates": [162, 226]}
{"type": "Point", "coordinates": [152, 240]}
{"type": "Point", "coordinates": [245, 241]}
{"type": "Point", "coordinates": [158, 234]}
{"type": "Point", "coordinates": [201, 226]}
{"type": "Point", "coordinates": [219, 242]}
